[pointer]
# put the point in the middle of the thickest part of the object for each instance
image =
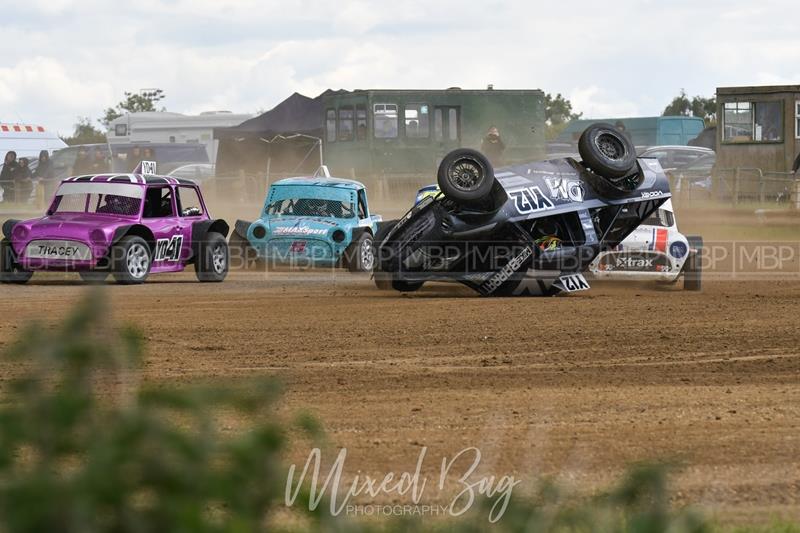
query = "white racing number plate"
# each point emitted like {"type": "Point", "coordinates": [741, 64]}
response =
{"type": "Point", "coordinates": [572, 283]}
{"type": "Point", "coordinates": [64, 250]}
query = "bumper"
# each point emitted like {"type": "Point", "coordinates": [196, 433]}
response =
{"type": "Point", "coordinates": [60, 255]}
{"type": "Point", "coordinates": [301, 251]}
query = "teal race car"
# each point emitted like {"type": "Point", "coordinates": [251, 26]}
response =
{"type": "Point", "coordinates": [316, 221]}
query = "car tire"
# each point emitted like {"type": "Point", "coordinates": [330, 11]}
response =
{"type": "Point", "coordinates": [241, 254]}
{"type": "Point", "coordinates": [213, 261]}
{"type": "Point", "coordinates": [94, 277]}
{"type": "Point", "coordinates": [607, 151]}
{"type": "Point", "coordinates": [10, 271]}
{"type": "Point", "coordinates": [132, 258]}
{"type": "Point", "coordinates": [693, 269]}
{"type": "Point", "coordinates": [466, 177]}
{"type": "Point", "coordinates": [383, 280]}
{"type": "Point", "coordinates": [406, 286]}
{"type": "Point", "coordinates": [360, 254]}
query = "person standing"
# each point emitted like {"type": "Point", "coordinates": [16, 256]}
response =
{"type": "Point", "coordinates": [44, 169]}
{"type": "Point", "coordinates": [493, 146]}
{"type": "Point", "coordinates": [8, 175]}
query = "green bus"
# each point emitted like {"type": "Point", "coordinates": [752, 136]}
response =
{"type": "Point", "coordinates": [377, 133]}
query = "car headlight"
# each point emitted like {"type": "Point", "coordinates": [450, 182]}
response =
{"type": "Point", "coordinates": [98, 237]}
{"type": "Point", "coordinates": [678, 249]}
{"type": "Point", "coordinates": [259, 232]}
{"type": "Point", "coordinates": [338, 235]}
{"type": "Point", "coordinates": [20, 232]}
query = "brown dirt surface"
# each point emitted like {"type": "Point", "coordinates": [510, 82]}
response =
{"type": "Point", "coordinates": [574, 387]}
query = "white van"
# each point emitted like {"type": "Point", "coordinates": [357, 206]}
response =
{"type": "Point", "coordinates": [27, 140]}
{"type": "Point", "coordinates": [168, 127]}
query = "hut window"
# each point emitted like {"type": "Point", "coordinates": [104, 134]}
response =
{"type": "Point", "coordinates": [417, 123]}
{"type": "Point", "coordinates": [330, 125]}
{"type": "Point", "coordinates": [361, 122]}
{"type": "Point", "coordinates": [384, 121]}
{"type": "Point", "coordinates": [346, 124]}
{"type": "Point", "coordinates": [797, 120]}
{"type": "Point", "coordinates": [752, 122]}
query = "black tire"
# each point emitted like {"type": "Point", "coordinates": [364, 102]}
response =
{"type": "Point", "coordinates": [466, 177]}
{"type": "Point", "coordinates": [213, 261]}
{"type": "Point", "coordinates": [360, 255]}
{"type": "Point", "coordinates": [94, 277]}
{"type": "Point", "coordinates": [132, 259]}
{"type": "Point", "coordinates": [406, 286]}
{"type": "Point", "coordinates": [383, 280]}
{"type": "Point", "coordinates": [607, 151]}
{"type": "Point", "coordinates": [693, 269]}
{"type": "Point", "coordinates": [10, 271]}
{"type": "Point", "coordinates": [241, 255]}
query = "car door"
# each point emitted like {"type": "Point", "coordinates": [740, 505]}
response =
{"type": "Point", "coordinates": [190, 210]}
{"type": "Point", "coordinates": [159, 214]}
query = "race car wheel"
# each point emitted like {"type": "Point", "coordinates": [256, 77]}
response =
{"type": "Point", "coordinates": [10, 271]}
{"type": "Point", "coordinates": [241, 254]}
{"type": "Point", "coordinates": [383, 280]}
{"type": "Point", "coordinates": [607, 151]}
{"type": "Point", "coordinates": [132, 259]}
{"type": "Point", "coordinates": [212, 263]}
{"type": "Point", "coordinates": [465, 176]}
{"type": "Point", "coordinates": [93, 276]}
{"type": "Point", "coordinates": [360, 255]}
{"type": "Point", "coordinates": [406, 286]}
{"type": "Point", "coordinates": [693, 269]}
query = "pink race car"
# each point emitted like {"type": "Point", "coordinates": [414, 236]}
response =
{"type": "Point", "coordinates": [128, 225]}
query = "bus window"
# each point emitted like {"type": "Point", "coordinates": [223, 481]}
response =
{"type": "Point", "coordinates": [346, 124]}
{"type": "Point", "coordinates": [384, 121]}
{"type": "Point", "coordinates": [416, 121]}
{"type": "Point", "coordinates": [330, 125]}
{"type": "Point", "coordinates": [361, 122]}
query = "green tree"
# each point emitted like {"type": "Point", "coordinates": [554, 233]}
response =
{"type": "Point", "coordinates": [134, 103]}
{"type": "Point", "coordinates": [697, 106]}
{"type": "Point", "coordinates": [557, 114]}
{"type": "Point", "coordinates": [85, 133]}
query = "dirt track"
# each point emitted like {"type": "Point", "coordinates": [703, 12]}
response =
{"type": "Point", "coordinates": [573, 387]}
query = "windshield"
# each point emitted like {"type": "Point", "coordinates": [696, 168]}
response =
{"type": "Point", "coordinates": [97, 198]}
{"type": "Point", "coordinates": [311, 207]}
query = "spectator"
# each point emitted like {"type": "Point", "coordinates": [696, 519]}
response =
{"type": "Point", "coordinates": [23, 181]}
{"type": "Point", "coordinates": [44, 170]}
{"type": "Point", "coordinates": [493, 146]}
{"type": "Point", "coordinates": [8, 175]}
{"type": "Point", "coordinates": [99, 163]}
{"type": "Point", "coordinates": [83, 164]}
{"type": "Point", "coordinates": [10, 167]}
{"type": "Point", "coordinates": [134, 158]}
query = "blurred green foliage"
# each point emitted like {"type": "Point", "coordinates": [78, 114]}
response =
{"type": "Point", "coordinates": [86, 447]}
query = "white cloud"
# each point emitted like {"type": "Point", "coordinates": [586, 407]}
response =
{"type": "Point", "coordinates": [63, 58]}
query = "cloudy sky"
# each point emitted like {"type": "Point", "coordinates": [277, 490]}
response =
{"type": "Point", "coordinates": [60, 59]}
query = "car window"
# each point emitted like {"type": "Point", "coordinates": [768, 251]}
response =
{"type": "Point", "coordinates": [362, 206]}
{"type": "Point", "coordinates": [158, 203]}
{"type": "Point", "coordinates": [189, 202]}
{"type": "Point", "coordinates": [310, 207]}
{"type": "Point", "coordinates": [662, 218]}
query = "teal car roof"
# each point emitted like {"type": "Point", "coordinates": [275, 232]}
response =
{"type": "Point", "coordinates": [321, 182]}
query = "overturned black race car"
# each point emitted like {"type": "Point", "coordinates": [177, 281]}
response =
{"type": "Point", "coordinates": [529, 229]}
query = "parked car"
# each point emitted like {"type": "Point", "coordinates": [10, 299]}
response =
{"type": "Point", "coordinates": [655, 251]}
{"type": "Point", "coordinates": [696, 175]}
{"type": "Point", "coordinates": [128, 225]}
{"type": "Point", "coordinates": [197, 172]}
{"type": "Point", "coordinates": [528, 229]}
{"type": "Point", "coordinates": [311, 221]}
{"type": "Point", "coordinates": [676, 157]}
